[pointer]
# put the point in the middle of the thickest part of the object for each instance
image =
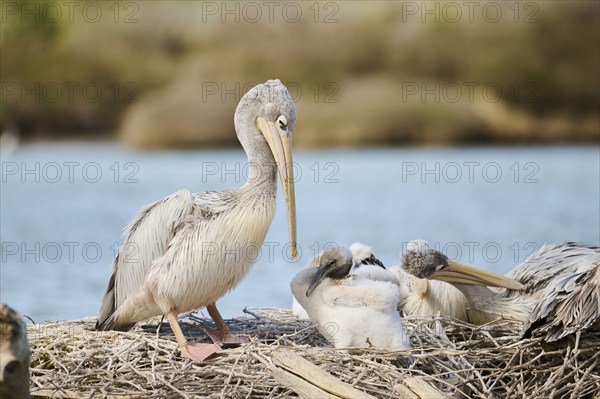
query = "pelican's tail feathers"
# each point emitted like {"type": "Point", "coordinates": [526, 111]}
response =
{"type": "Point", "coordinates": [107, 317]}
{"type": "Point", "coordinates": [112, 323]}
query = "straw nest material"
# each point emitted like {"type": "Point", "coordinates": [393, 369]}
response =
{"type": "Point", "coordinates": [288, 358]}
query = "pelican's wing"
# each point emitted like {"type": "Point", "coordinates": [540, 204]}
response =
{"type": "Point", "coordinates": [571, 303]}
{"type": "Point", "coordinates": [372, 294]}
{"type": "Point", "coordinates": [404, 279]}
{"type": "Point", "coordinates": [299, 285]}
{"type": "Point", "coordinates": [550, 261]}
{"type": "Point", "coordinates": [375, 273]}
{"type": "Point", "coordinates": [146, 238]}
{"type": "Point", "coordinates": [407, 284]}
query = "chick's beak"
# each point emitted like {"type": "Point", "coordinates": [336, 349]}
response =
{"type": "Point", "coordinates": [459, 273]}
{"type": "Point", "coordinates": [320, 274]}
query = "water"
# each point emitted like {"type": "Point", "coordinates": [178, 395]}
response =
{"type": "Point", "coordinates": [63, 207]}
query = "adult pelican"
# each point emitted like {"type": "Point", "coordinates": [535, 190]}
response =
{"type": "Point", "coordinates": [188, 250]}
{"type": "Point", "coordinates": [351, 308]}
{"type": "Point", "coordinates": [560, 291]}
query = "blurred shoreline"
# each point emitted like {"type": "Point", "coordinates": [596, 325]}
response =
{"type": "Point", "coordinates": [169, 74]}
{"type": "Point", "coordinates": [109, 139]}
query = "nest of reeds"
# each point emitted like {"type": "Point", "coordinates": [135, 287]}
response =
{"type": "Point", "coordinates": [289, 358]}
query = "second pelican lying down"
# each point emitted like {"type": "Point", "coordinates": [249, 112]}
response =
{"type": "Point", "coordinates": [351, 308]}
{"type": "Point", "coordinates": [559, 292]}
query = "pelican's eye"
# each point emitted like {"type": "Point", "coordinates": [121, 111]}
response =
{"type": "Point", "coordinates": [282, 120]}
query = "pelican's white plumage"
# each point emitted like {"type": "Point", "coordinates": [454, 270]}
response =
{"type": "Point", "coordinates": [297, 309]}
{"type": "Point", "coordinates": [352, 309]}
{"type": "Point", "coordinates": [436, 299]}
{"type": "Point", "coordinates": [187, 250]}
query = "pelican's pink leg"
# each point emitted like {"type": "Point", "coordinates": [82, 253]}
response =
{"type": "Point", "coordinates": [196, 351]}
{"type": "Point", "coordinates": [222, 334]}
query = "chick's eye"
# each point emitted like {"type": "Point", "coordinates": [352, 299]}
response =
{"type": "Point", "coordinates": [282, 125]}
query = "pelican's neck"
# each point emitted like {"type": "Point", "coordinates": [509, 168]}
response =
{"type": "Point", "coordinates": [492, 304]}
{"type": "Point", "coordinates": [481, 297]}
{"type": "Point", "coordinates": [261, 175]}
{"type": "Point", "coordinates": [474, 292]}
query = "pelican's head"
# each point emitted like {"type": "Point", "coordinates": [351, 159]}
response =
{"type": "Point", "coordinates": [335, 262]}
{"type": "Point", "coordinates": [267, 114]}
{"type": "Point", "coordinates": [418, 285]}
{"type": "Point", "coordinates": [363, 255]}
{"type": "Point", "coordinates": [425, 263]}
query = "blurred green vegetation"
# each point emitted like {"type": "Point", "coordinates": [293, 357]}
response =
{"type": "Point", "coordinates": [159, 74]}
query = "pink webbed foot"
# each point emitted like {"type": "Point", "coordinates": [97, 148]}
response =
{"type": "Point", "coordinates": [227, 339]}
{"type": "Point", "coordinates": [200, 352]}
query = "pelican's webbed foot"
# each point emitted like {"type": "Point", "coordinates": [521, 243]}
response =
{"type": "Point", "coordinates": [200, 352]}
{"type": "Point", "coordinates": [226, 337]}
{"type": "Point", "coordinates": [222, 334]}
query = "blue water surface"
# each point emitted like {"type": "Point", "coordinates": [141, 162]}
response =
{"type": "Point", "coordinates": [64, 205]}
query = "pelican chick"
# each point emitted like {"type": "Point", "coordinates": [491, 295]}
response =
{"type": "Point", "coordinates": [351, 309]}
{"type": "Point", "coordinates": [425, 263]}
{"type": "Point", "coordinates": [362, 255]}
{"type": "Point", "coordinates": [366, 264]}
{"type": "Point", "coordinates": [557, 290]}
{"type": "Point", "coordinates": [422, 297]}
{"type": "Point", "coordinates": [186, 251]}
{"type": "Point", "coordinates": [297, 309]}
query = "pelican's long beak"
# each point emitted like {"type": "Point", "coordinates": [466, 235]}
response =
{"type": "Point", "coordinates": [320, 274]}
{"type": "Point", "coordinates": [459, 273]}
{"type": "Point", "coordinates": [281, 147]}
